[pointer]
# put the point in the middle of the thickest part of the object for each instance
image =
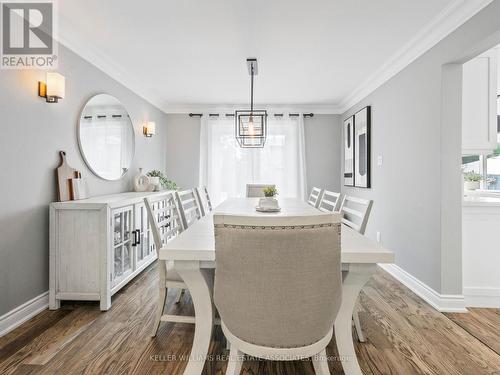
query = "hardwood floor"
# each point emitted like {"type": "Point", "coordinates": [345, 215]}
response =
{"type": "Point", "coordinates": [405, 336]}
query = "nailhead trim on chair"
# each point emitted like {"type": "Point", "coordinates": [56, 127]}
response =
{"type": "Point", "coordinates": [274, 227]}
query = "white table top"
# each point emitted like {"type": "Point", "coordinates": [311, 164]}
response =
{"type": "Point", "coordinates": [197, 242]}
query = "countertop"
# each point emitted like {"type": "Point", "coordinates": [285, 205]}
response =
{"type": "Point", "coordinates": [474, 201]}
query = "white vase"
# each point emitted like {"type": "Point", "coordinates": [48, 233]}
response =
{"type": "Point", "coordinates": [141, 182]}
{"type": "Point", "coordinates": [268, 202]}
{"type": "Point", "coordinates": [471, 185]}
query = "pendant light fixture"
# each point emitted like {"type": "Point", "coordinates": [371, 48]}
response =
{"type": "Point", "coordinates": [251, 125]}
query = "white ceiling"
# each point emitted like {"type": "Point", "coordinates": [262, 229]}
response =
{"type": "Point", "coordinates": [192, 53]}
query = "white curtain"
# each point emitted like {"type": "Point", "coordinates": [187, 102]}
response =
{"type": "Point", "coordinates": [226, 168]}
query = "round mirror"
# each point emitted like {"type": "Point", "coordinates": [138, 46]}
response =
{"type": "Point", "coordinates": [106, 137]}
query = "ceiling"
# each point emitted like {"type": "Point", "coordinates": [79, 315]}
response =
{"type": "Point", "coordinates": [191, 54]}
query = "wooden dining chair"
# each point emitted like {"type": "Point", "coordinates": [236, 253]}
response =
{"type": "Point", "coordinates": [189, 207]}
{"type": "Point", "coordinates": [315, 197]}
{"type": "Point", "coordinates": [355, 213]}
{"type": "Point", "coordinates": [257, 190]}
{"type": "Point", "coordinates": [204, 200]}
{"type": "Point", "coordinates": [266, 310]}
{"type": "Point", "coordinates": [330, 201]}
{"type": "Point", "coordinates": [165, 223]}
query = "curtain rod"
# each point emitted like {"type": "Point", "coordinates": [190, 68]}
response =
{"type": "Point", "coordinates": [232, 114]}
{"type": "Point", "coordinates": [101, 116]}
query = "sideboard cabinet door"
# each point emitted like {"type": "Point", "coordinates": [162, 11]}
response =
{"type": "Point", "coordinates": [123, 239]}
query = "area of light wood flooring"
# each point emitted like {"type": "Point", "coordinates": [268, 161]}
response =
{"type": "Point", "coordinates": [405, 336]}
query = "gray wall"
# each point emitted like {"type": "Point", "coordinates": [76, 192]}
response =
{"type": "Point", "coordinates": [323, 135]}
{"type": "Point", "coordinates": [32, 134]}
{"type": "Point", "coordinates": [322, 143]}
{"type": "Point", "coordinates": [183, 149]}
{"type": "Point", "coordinates": [416, 191]}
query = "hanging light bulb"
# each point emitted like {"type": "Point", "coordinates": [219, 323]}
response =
{"type": "Point", "coordinates": [251, 127]}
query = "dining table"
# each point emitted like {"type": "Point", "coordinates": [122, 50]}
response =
{"type": "Point", "coordinates": [193, 253]}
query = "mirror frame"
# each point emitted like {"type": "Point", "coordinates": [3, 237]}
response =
{"type": "Point", "coordinates": [87, 163]}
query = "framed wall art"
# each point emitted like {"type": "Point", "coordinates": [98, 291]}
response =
{"type": "Point", "coordinates": [349, 151]}
{"type": "Point", "coordinates": [362, 148]}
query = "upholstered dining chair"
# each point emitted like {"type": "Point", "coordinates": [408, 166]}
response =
{"type": "Point", "coordinates": [330, 201]}
{"type": "Point", "coordinates": [203, 199]}
{"type": "Point", "coordinates": [315, 197]}
{"type": "Point", "coordinates": [165, 223]}
{"type": "Point", "coordinates": [266, 310]}
{"type": "Point", "coordinates": [189, 207]}
{"type": "Point", "coordinates": [355, 213]}
{"type": "Point", "coordinates": [257, 190]}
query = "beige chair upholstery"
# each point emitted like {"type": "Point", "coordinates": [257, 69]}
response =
{"type": "Point", "coordinates": [257, 190]}
{"type": "Point", "coordinates": [278, 285]}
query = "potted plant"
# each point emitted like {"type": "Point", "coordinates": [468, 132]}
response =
{"type": "Point", "coordinates": [472, 180]}
{"type": "Point", "coordinates": [270, 192]}
{"type": "Point", "coordinates": [269, 201]}
{"type": "Point", "coordinates": [158, 179]}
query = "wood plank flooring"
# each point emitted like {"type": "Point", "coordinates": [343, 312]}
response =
{"type": "Point", "coordinates": [405, 336]}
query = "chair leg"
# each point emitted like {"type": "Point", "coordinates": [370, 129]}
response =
{"type": "Point", "coordinates": [235, 361]}
{"type": "Point", "coordinates": [320, 363]}
{"type": "Point", "coordinates": [179, 296]}
{"type": "Point", "coordinates": [357, 325]}
{"type": "Point", "coordinates": [162, 296]}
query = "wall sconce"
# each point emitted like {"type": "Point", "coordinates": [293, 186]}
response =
{"type": "Point", "coordinates": [54, 89]}
{"type": "Point", "coordinates": [149, 129]}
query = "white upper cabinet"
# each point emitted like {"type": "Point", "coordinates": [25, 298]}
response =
{"type": "Point", "coordinates": [479, 105]}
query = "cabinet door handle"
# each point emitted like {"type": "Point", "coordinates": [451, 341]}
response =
{"type": "Point", "coordinates": [138, 241]}
{"type": "Point", "coordinates": [134, 241]}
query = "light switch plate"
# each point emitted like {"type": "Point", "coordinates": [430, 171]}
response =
{"type": "Point", "coordinates": [380, 160]}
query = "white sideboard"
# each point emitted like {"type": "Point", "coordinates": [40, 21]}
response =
{"type": "Point", "coordinates": [97, 246]}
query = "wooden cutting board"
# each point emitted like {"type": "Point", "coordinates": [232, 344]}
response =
{"type": "Point", "coordinates": [64, 175]}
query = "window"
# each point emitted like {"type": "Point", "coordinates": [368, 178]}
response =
{"type": "Point", "coordinates": [226, 168]}
{"type": "Point", "coordinates": [487, 166]}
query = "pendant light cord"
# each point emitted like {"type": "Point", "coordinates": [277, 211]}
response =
{"type": "Point", "coordinates": [251, 89]}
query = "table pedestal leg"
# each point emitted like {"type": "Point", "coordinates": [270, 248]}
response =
{"type": "Point", "coordinates": [357, 277]}
{"type": "Point", "coordinates": [200, 284]}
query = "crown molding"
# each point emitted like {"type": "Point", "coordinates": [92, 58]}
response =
{"type": "Point", "coordinates": [452, 17]}
{"type": "Point", "coordinates": [437, 29]}
{"type": "Point", "coordinates": [106, 65]}
{"type": "Point", "coordinates": [328, 109]}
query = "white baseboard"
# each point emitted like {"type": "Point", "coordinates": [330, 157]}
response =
{"type": "Point", "coordinates": [482, 297]}
{"type": "Point", "coordinates": [21, 314]}
{"type": "Point", "coordinates": [441, 302]}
